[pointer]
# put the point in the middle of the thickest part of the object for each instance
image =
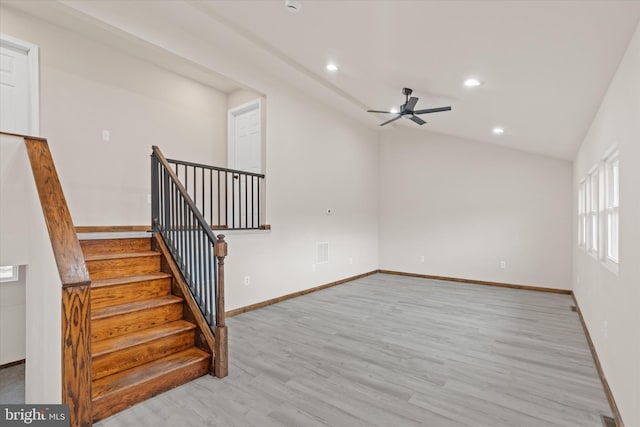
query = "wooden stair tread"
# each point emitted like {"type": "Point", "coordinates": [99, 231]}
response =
{"type": "Point", "coordinates": [99, 257]}
{"type": "Point", "coordinates": [128, 279]}
{"type": "Point", "coordinates": [100, 313]}
{"type": "Point", "coordinates": [115, 245]}
{"type": "Point", "coordinates": [110, 345]}
{"type": "Point", "coordinates": [140, 374]}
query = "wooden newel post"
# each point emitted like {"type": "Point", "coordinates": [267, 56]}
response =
{"type": "Point", "coordinates": [220, 363]}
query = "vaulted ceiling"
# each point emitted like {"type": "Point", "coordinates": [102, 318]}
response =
{"type": "Point", "coordinates": [544, 66]}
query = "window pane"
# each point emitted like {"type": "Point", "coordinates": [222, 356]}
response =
{"type": "Point", "coordinates": [613, 237]}
{"type": "Point", "coordinates": [594, 191]}
{"type": "Point", "coordinates": [581, 199]}
{"type": "Point", "coordinates": [615, 184]}
{"type": "Point", "coordinates": [594, 233]}
{"type": "Point", "coordinates": [8, 273]}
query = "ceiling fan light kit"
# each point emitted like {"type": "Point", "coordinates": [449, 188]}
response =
{"type": "Point", "coordinates": [407, 109]}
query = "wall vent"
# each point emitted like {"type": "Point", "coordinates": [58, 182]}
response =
{"type": "Point", "coordinates": [323, 253]}
{"type": "Point", "coordinates": [608, 421]}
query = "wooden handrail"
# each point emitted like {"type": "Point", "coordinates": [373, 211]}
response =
{"type": "Point", "coordinates": [66, 247]}
{"type": "Point", "coordinates": [176, 180]}
{"type": "Point", "coordinates": [76, 311]}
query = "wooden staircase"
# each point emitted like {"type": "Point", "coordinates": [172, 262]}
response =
{"type": "Point", "coordinates": [141, 344]}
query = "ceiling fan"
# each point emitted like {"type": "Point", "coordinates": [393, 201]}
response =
{"type": "Point", "coordinates": [407, 109]}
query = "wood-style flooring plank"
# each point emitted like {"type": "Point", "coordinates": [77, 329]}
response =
{"type": "Point", "coordinates": [388, 350]}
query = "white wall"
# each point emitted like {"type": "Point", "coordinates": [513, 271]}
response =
{"type": "Point", "coordinates": [86, 87]}
{"type": "Point", "coordinates": [602, 295]}
{"type": "Point", "coordinates": [465, 206]}
{"type": "Point", "coordinates": [12, 318]}
{"type": "Point", "coordinates": [43, 288]}
{"type": "Point", "coordinates": [316, 160]}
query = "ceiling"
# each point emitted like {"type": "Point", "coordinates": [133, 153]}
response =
{"type": "Point", "coordinates": [544, 65]}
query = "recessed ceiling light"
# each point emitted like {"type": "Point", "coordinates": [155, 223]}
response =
{"type": "Point", "coordinates": [332, 67]}
{"type": "Point", "coordinates": [472, 83]}
{"type": "Point", "coordinates": [498, 130]}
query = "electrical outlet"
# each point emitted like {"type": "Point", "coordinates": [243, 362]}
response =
{"type": "Point", "coordinates": [606, 328]}
{"type": "Point", "coordinates": [350, 261]}
{"type": "Point", "coordinates": [313, 268]}
{"type": "Point", "coordinates": [421, 258]}
{"type": "Point", "coordinates": [247, 280]}
{"type": "Point", "coordinates": [503, 265]}
{"type": "Point", "coordinates": [106, 135]}
{"type": "Point", "coordinates": [149, 198]}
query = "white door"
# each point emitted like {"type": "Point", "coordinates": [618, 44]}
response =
{"type": "Point", "coordinates": [18, 86]}
{"type": "Point", "coordinates": [245, 154]}
{"type": "Point", "coordinates": [245, 138]}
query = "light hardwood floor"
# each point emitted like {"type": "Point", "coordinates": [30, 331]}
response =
{"type": "Point", "coordinates": [396, 351]}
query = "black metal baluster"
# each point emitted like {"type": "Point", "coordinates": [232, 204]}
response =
{"type": "Point", "coordinates": [199, 231]}
{"type": "Point", "coordinates": [205, 258]}
{"type": "Point", "coordinates": [154, 193]}
{"type": "Point", "coordinates": [211, 197]}
{"type": "Point", "coordinates": [226, 200]}
{"type": "Point", "coordinates": [253, 210]}
{"type": "Point", "coordinates": [174, 219]}
{"type": "Point", "coordinates": [201, 173]}
{"type": "Point", "coordinates": [186, 178]}
{"type": "Point", "coordinates": [195, 187]}
{"type": "Point", "coordinates": [180, 227]}
{"type": "Point", "coordinates": [246, 202]}
{"type": "Point", "coordinates": [189, 244]}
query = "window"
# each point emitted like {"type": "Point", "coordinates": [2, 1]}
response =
{"type": "Point", "coordinates": [592, 211]}
{"type": "Point", "coordinates": [611, 208]}
{"type": "Point", "coordinates": [582, 219]}
{"type": "Point", "coordinates": [8, 273]}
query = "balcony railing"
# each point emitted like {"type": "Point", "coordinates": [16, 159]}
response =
{"type": "Point", "coordinates": [228, 199]}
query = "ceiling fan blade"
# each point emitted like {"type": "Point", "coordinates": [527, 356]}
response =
{"type": "Point", "coordinates": [432, 110]}
{"type": "Point", "coordinates": [418, 120]}
{"type": "Point", "coordinates": [378, 111]}
{"type": "Point", "coordinates": [392, 120]}
{"type": "Point", "coordinates": [411, 103]}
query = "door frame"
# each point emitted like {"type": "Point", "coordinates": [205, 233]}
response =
{"type": "Point", "coordinates": [32, 52]}
{"type": "Point", "coordinates": [232, 114]}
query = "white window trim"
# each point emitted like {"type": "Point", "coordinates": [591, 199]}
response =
{"type": "Point", "coordinates": [592, 212]}
{"type": "Point", "coordinates": [14, 274]}
{"type": "Point", "coordinates": [612, 155]}
{"type": "Point", "coordinates": [582, 215]}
